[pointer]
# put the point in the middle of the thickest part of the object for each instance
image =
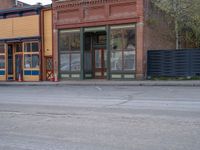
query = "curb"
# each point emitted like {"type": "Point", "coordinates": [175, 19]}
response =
{"type": "Point", "coordinates": [104, 83]}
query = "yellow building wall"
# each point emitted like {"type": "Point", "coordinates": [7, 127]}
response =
{"type": "Point", "coordinates": [48, 33]}
{"type": "Point", "coordinates": [6, 28]}
{"type": "Point", "coordinates": [27, 26]}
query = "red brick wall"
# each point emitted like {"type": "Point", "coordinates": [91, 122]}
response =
{"type": "Point", "coordinates": [5, 4]}
{"type": "Point", "coordinates": [158, 30]}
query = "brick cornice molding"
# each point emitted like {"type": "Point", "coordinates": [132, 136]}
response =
{"type": "Point", "coordinates": [84, 3]}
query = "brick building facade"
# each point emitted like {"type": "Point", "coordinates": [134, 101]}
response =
{"type": "Point", "coordinates": [5, 4]}
{"type": "Point", "coordinates": [104, 38]}
{"type": "Point", "coordinates": [81, 39]}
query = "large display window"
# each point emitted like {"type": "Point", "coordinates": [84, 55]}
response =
{"type": "Point", "coordinates": [69, 50]}
{"type": "Point", "coordinates": [31, 55]}
{"type": "Point", "coordinates": [31, 61]}
{"type": "Point", "coordinates": [123, 49]}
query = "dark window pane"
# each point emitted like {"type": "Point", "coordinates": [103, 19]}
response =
{"type": "Point", "coordinates": [116, 61]}
{"type": "Point", "coordinates": [2, 62]}
{"type": "Point", "coordinates": [75, 61]}
{"type": "Point", "coordinates": [35, 61]}
{"type": "Point", "coordinates": [18, 47]}
{"type": "Point", "coordinates": [88, 62]}
{"type": "Point", "coordinates": [35, 47]}
{"type": "Point", "coordinates": [27, 61]}
{"type": "Point", "coordinates": [27, 47]}
{"type": "Point", "coordinates": [64, 62]}
{"type": "Point", "coordinates": [2, 48]}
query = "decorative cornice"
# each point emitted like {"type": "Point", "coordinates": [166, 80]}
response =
{"type": "Point", "coordinates": [83, 3]}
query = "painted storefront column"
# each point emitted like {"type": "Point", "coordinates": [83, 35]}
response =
{"type": "Point", "coordinates": [55, 54]}
{"type": "Point", "coordinates": [82, 41]}
{"type": "Point", "coordinates": [108, 51]}
{"type": "Point", "coordinates": [140, 41]}
{"type": "Point", "coordinates": [140, 51]}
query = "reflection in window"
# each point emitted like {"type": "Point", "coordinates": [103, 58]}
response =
{"type": "Point", "coordinates": [123, 48]}
{"type": "Point", "coordinates": [31, 61]}
{"type": "Point", "coordinates": [64, 62]}
{"type": "Point", "coordinates": [129, 60]}
{"type": "Point", "coordinates": [27, 61]}
{"type": "Point", "coordinates": [35, 61]}
{"type": "Point", "coordinates": [75, 62]}
{"type": "Point", "coordinates": [116, 60]}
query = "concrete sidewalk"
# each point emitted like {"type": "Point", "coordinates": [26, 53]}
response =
{"type": "Point", "coordinates": [105, 83]}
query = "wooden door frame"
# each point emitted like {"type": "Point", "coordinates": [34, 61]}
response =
{"type": "Point", "coordinates": [13, 51]}
{"type": "Point", "coordinates": [102, 69]}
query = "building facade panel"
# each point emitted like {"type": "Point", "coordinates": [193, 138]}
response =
{"type": "Point", "coordinates": [105, 45]}
{"type": "Point", "coordinates": [27, 26]}
{"type": "Point", "coordinates": [20, 42]}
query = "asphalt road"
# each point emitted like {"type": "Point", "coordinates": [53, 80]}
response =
{"type": "Point", "coordinates": [99, 118]}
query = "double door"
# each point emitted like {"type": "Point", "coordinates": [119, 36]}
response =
{"type": "Point", "coordinates": [95, 54]}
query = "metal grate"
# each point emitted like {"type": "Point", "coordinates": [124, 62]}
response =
{"type": "Point", "coordinates": [173, 63]}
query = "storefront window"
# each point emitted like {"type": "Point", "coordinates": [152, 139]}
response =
{"type": "Point", "coordinates": [2, 62]}
{"type": "Point", "coordinates": [31, 57]}
{"type": "Point", "coordinates": [31, 61]}
{"type": "Point", "coordinates": [69, 48]}
{"type": "Point", "coordinates": [123, 48]}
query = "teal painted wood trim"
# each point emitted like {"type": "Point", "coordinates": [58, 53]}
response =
{"type": "Point", "coordinates": [82, 41]}
{"type": "Point", "coordinates": [108, 51]}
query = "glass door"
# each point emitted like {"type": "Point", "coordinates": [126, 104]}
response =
{"type": "Point", "coordinates": [18, 67]}
{"type": "Point", "coordinates": [100, 64]}
{"type": "Point", "coordinates": [10, 62]}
